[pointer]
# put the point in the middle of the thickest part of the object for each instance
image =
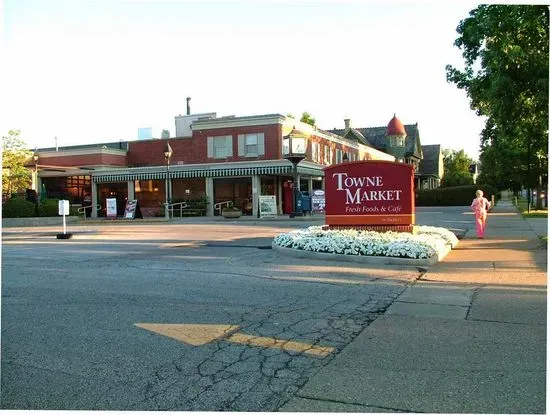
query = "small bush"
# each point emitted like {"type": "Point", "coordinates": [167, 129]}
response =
{"type": "Point", "coordinates": [453, 196]}
{"type": "Point", "coordinates": [49, 207]}
{"type": "Point", "coordinates": [18, 208]}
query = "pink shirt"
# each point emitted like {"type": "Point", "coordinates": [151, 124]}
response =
{"type": "Point", "coordinates": [480, 205]}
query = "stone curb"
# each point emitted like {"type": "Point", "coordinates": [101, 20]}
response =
{"type": "Point", "coordinates": [37, 221]}
{"type": "Point", "coordinates": [379, 260]}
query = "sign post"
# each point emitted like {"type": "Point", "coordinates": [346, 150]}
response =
{"type": "Point", "coordinates": [377, 195]}
{"type": "Point", "coordinates": [63, 209]}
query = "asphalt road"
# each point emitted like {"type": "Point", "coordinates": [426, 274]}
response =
{"type": "Point", "coordinates": [70, 309]}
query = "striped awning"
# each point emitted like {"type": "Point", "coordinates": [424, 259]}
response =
{"type": "Point", "coordinates": [177, 172]}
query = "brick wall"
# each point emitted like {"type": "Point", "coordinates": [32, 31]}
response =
{"type": "Point", "coordinates": [194, 149]}
{"type": "Point", "coordinates": [83, 160]}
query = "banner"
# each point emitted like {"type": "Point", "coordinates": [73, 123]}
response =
{"type": "Point", "coordinates": [318, 201]}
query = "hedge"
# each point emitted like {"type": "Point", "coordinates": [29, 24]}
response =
{"type": "Point", "coordinates": [50, 207]}
{"type": "Point", "coordinates": [454, 196]}
{"type": "Point", "coordinates": [18, 208]}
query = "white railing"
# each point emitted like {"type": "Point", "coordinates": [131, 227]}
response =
{"type": "Point", "coordinates": [220, 205]}
{"type": "Point", "coordinates": [83, 209]}
{"type": "Point", "coordinates": [172, 206]}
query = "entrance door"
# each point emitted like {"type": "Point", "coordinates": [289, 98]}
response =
{"type": "Point", "coordinates": [287, 197]}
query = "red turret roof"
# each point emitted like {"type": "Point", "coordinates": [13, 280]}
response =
{"type": "Point", "coordinates": [395, 127]}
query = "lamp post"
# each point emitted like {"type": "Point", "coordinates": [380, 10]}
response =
{"type": "Point", "coordinates": [36, 187]}
{"type": "Point", "coordinates": [294, 150]}
{"type": "Point", "coordinates": [167, 155]}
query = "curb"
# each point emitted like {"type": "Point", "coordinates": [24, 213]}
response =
{"type": "Point", "coordinates": [379, 260]}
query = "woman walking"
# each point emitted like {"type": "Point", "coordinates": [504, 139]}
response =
{"type": "Point", "coordinates": [480, 206]}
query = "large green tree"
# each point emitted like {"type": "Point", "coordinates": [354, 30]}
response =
{"type": "Point", "coordinates": [455, 168]}
{"type": "Point", "coordinates": [505, 51]}
{"type": "Point", "coordinates": [15, 156]}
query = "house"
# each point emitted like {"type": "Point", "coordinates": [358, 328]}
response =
{"type": "Point", "coordinates": [403, 142]}
{"type": "Point", "coordinates": [431, 167]}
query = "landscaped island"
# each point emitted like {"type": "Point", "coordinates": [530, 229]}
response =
{"type": "Point", "coordinates": [427, 242]}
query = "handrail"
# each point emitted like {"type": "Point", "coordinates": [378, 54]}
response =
{"type": "Point", "coordinates": [182, 205]}
{"type": "Point", "coordinates": [83, 209]}
{"type": "Point", "coordinates": [218, 206]}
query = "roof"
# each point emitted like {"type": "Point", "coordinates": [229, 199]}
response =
{"type": "Point", "coordinates": [118, 145]}
{"type": "Point", "coordinates": [395, 127]}
{"type": "Point", "coordinates": [376, 137]}
{"type": "Point", "coordinates": [430, 164]}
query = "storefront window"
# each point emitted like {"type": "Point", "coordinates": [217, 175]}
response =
{"type": "Point", "coordinates": [150, 195]}
{"type": "Point", "coordinates": [72, 188]}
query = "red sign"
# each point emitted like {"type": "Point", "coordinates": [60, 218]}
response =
{"type": "Point", "coordinates": [369, 193]}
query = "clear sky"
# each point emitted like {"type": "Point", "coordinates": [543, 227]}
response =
{"type": "Point", "coordinates": [97, 70]}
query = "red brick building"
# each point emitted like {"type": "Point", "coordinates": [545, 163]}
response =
{"type": "Point", "coordinates": [221, 159]}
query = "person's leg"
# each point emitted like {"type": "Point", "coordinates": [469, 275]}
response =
{"type": "Point", "coordinates": [479, 226]}
{"type": "Point", "coordinates": [483, 224]}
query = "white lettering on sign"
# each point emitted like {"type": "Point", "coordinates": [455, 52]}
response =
{"type": "Point", "coordinates": [359, 194]}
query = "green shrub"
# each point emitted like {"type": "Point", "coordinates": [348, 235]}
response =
{"type": "Point", "coordinates": [199, 203]}
{"type": "Point", "coordinates": [18, 208]}
{"type": "Point", "coordinates": [453, 196]}
{"type": "Point", "coordinates": [49, 207]}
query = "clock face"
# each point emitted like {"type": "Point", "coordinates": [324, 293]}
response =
{"type": "Point", "coordinates": [298, 146]}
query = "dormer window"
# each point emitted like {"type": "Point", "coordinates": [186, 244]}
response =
{"type": "Point", "coordinates": [397, 141]}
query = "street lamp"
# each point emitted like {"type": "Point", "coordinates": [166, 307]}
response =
{"type": "Point", "coordinates": [167, 155]}
{"type": "Point", "coordinates": [294, 150]}
{"type": "Point", "coordinates": [345, 159]}
{"type": "Point", "coordinates": [35, 176]}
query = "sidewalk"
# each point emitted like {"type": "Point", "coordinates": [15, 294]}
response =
{"type": "Point", "coordinates": [468, 337]}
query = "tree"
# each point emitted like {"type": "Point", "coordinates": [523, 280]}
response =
{"type": "Point", "coordinates": [15, 156]}
{"type": "Point", "coordinates": [455, 168]}
{"type": "Point", "coordinates": [307, 118]}
{"type": "Point", "coordinates": [505, 50]}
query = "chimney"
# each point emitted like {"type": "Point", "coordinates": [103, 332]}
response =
{"type": "Point", "coordinates": [347, 123]}
{"type": "Point", "coordinates": [188, 106]}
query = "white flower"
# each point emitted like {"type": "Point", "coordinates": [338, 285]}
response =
{"type": "Point", "coordinates": [424, 244]}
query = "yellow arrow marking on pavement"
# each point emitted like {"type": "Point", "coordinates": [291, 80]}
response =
{"type": "Point", "coordinates": [201, 334]}
{"type": "Point", "coordinates": [291, 345]}
{"type": "Point", "coordinates": [193, 334]}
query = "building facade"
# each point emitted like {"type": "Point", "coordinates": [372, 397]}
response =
{"type": "Point", "coordinates": [217, 159]}
{"type": "Point", "coordinates": [403, 142]}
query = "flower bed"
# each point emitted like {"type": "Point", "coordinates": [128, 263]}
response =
{"type": "Point", "coordinates": [426, 243]}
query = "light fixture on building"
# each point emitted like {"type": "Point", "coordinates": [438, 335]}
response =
{"type": "Point", "coordinates": [294, 150]}
{"type": "Point", "coordinates": [345, 159]}
{"type": "Point", "coordinates": [167, 155]}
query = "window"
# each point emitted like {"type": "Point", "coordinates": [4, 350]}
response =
{"type": "Point", "coordinates": [338, 156]}
{"type": "Point", "coordinates": [251, 145]}
{"type": "Point", "coordinates": [315, 152]}
{"type": "Point", "coordinates": [328, 155]}
{"type": "Point", "coordinates": [220, 147]}
{"type": "Point", "coordinates": [396, 141]}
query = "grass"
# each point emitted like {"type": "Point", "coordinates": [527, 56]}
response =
{"type": "Point", "coordinates": [522, 208]}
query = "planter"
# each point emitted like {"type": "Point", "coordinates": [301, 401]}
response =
{"type": "Point", "coordinates": [232, 214]}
